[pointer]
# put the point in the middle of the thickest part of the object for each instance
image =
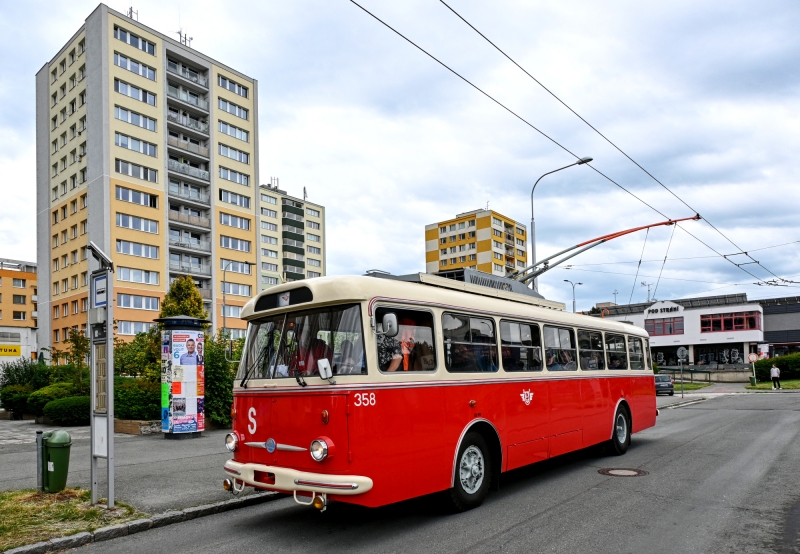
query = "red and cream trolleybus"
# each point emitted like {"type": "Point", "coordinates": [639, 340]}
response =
{"type": "Point", "coordinates": [375, 389]}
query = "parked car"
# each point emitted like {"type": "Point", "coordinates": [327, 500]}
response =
{"type": "Point", "coordinates": [664, 383]}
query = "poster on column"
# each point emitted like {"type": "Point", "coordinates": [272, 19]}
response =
{"type": "Point", "coordinates": [187, 386]}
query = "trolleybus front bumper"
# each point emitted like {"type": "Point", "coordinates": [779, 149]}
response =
{"type": "Point", "coordinates": [291, 480]}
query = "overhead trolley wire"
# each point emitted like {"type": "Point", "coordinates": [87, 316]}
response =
{"type": "Point", "coordinates": [741, 250]}
{"type": "Point", "coordinates": [638, 267]}
{"type": "Point", "coordinates": [663, 264]}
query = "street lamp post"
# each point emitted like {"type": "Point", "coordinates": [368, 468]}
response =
{"type": "Point", "coordinates": [224, 282]}
{"type": "Point", "coordinates": [573, 292]}
{"type": "Point", "coordinates": [533, 222]}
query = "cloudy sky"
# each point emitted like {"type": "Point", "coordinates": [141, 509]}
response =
{"type": "Point", "coordinates": [705, 96]}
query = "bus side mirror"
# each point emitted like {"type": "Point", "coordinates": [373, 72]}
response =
{"type": "Point", "coordinates": [389, 324]}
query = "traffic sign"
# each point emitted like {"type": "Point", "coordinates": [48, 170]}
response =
{"type": "Point", "coordinates": [99, 296]}
{"type": "Point", "coordinates": [753, 357]}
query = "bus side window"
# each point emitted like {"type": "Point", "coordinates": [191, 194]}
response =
{"type": "Point", "coordinates": [559, 344]}
{"type": "Point", "coordinates": [413, 347]}
{"type": "Point", "coordinates": [469, 343]}
{"type": "Point", "coordinates": [590, 344]}
{"type": "Point", "coordinates": [521, 346]}
{"type": "Point", "coordinates": [615, 348]}
{"type": "Point", "coordinates": [635, 352]}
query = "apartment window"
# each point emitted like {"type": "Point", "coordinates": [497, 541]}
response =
{"type": "Point", "coordinates": [313, 212]}
{"type": "Point", "coordinates": [234, 221]}
{"type": "Point", "coordinates": [234, 244]}
{"type": "Point", "coordinates": [313, 262]}
{"type": "Point", "coordinates": [520, 252]}
{"type": "Point", "coordinates": [74, 256]}
{"type": "Point", "coordinates": [82, 125]}
{"type": "Point", "coordinates": [313, 238]}
{"type": "Point", "coordinates": [137, 275]}
{"type": "Point", "coordinates": [269, 213]}
{"type": "Point", "coordinates": [497, 244]}
{"type": "Point", "coordinates": [236, 289]}
{"type": "Point", "coordinates": [135, 118]}
{"type": "Point", "coordinates": [234, 131]}
{"type": "Point", "coordinates": [18, 283]}
{"type": "Point", "coordinates": [73, 206]}
{"type": "Point", "coordinates": [269, 280]}
{"type": "Point", "coordinates": [235, 199]}
{"type": "Point", "coordinates": [232, 108]}
{"type": "Point", "coordinates": [312, 225]}
{"type": "Point", "coordinates": [452, 260]}
{"type": "Point", "coordinates": [137, 223]}
{"type": "Point", "coordinates": [266, 266]}
{"type": "Point", "coordinates": [269, 253]}
{"type": "Point", "coordinates": [64, 237]}
{"type": "Point", "coordinates": [133, 327]}
{"type": "Point", "coordinates": [83, 201]}
{"type": "Point", "coordinates": [234, 154]}
{"type": "Point", "coordinates": [134, 92]}
{"type": "Point", "coordinates": [54, 122]}
{"type": "Point", "coordinates": [75, 286]}
{"type": "Point", "coordinates": [64, 262]}
{"type": "Point", "coordinates": [55, 288]}
{"type": "Point", "coordinates": [453, 238]}
{"type": "Point", "coordinates": [63, 163]}
{"type": "Point", "coordinates": [471, 246]}
{"type": "Point", "coordinates": [312, 274]}
{"type": "Point", "coordinates": [136, 197]}
{"type": "Point", "coordinates": [520, 231]}
{"type": "Point", "coordinates": [235, 267]}
{"type": "Point", "coordinates": [520, 242]}
{"type": "Point", "coordinates": [63, 91]}
{"type": "Point", "coordinates": [497, 255]}
{"type": "Point", "coordinates": [496, 221]}
{"type": "Point", "coordinates": [137, 249]}
{"type": "Point", "coordinates": [54, 76]}
{"type": "Point", "coordinates": [19, 316]}
{"type": "Point", "coordinates": [462, 259]}
{"type": "Point", "coordinates": [84, 280]}
{"type": "Point", "coordinates": [124, 141]}
{"type": "Point", "coordinates": [135, 41]}
{"type": "Point", "coordinates": [55, 240]}
{"type": "Point", "coordinates": [82, 175]}
{"type": "Point", "coordinates": [73, 132]}
{"type": "Point", "coordinates": [269, 240]}
{"type": "Point", "coordinates": [443, 262]}
{"type": "Point", "coordinates": [74, 307]}
{"type": "Point", "coordinates": [73, 106]}
{"type": "Point", "coordinates": [452, 227]}
{"type": "Point", "coordinates": [134, 170]}
{"type": "Point", "coordinates": [232, 311]}
{"type": "Point", "coordinates": [735, 321]}
{"type": "Point", "coordinates": [232, 86]}
{"type": "Point", "coordinates": [82, 149]}
{"type": "Point", "coordinates": [81, 47]}
{"type": "Point", "coordinates": [444, 251]}
{"type": "Point", "coordinates": [443, 240]}
{"type": "Point", "coordinates": [472, 257]}
{"type": "Point", "coordinates": [136, 302]}
{"type": "Point", "coordinates": [234, 176]}
{"type": "Point", "coordinates": [73, 157]}
{"type": "Point", "coordinates": [452, 250]}
{"type": "Point", "coordinates": [73, 182]}
{"type": "Point", "coordinates": [266, 225]}
{"type": "Point", "coordinates": [442, 230]}
{"type": "Point", "coordinates": [132, 65]}
{"type": "Point", "coordinates": [498, 267]}
{"type": "Point", "coordinates": [462, 247]}
{"type": "Point", "coordinates": [82, 98]}
{"type": "Point", "coordinates": [18, 299]}
{"type": "Point", "coordinates": [269, 199]}
{"type": "Point", "coordinates": [62, 67]}
{"type": "Point", "coordinates": [314, 250]}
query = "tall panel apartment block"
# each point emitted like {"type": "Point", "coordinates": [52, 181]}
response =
{"type": "Point", "coordinates": [148, 148]}
{"type": "Point", "coordinates": [481, 239]}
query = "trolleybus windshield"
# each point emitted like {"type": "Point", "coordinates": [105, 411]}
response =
{"type": "Point", "coordinates": [291, 344]}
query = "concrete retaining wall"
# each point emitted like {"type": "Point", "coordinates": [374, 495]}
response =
{"type": "Point", "coordinates": [136, 427]}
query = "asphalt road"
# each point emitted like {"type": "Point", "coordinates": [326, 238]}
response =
{"type": "Point", "coordinates": [723, 477]}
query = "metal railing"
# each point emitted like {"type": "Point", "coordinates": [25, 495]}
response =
{"type": "Point", "coordinates": [188, 146]}
{"type": "Point", "coordinates": [175, 92]}
{"type": "Point", "coordinates": [190, 268]}
{"type": "Point", "coordinates": [287, 215]}
{"type": "Point", "coordinates": [202, 246]}
{"type": "Point", "coordinates": [190, 219]}
{"type": "Point", "coordinates": [188, 122]}
{"type": "Point", "coordinates": [183, 72]}
{"type": "Point", "coordinates": [295, 243]}
{"type": "Point", "coordinates": [186, 169]}
{"type": "Point", "coordinates": [293, 256]}
{"type": "Point", "coordinates": [201, 197]}
{"type": "Point", "coordinates": [205, 293]}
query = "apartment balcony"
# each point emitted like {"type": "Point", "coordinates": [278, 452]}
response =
{"type": "Point", "coordinates": [189, 123]}
{"type": "Point", "coordinates": [188, 146]}
{"type": "Point", "coordinates": [34, 298]}
{"type": "Point", "coordinates": [199, 246]}
{"type": "Point", "coordinates": [190, 219]}
{"type": "Point", "coordinates": [35, 315]}
{"type": "Point", "coordinates": [179, 94]}
{"type": "Point", "coordinates": [189, 76]}
{"type": "Point", "coordinates": [186, 169]}
{"type": "Point", "coordinates": [205, 293]}
{"type": "Point", "coordinates": [192, 269]}
{"type": "Point", "coordinates": [198, 197]}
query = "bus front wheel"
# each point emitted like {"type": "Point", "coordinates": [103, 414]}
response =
{"type": "Point", "coordinates": [621, 433]}
{"type": "Point", "coordinates": [473, 473]}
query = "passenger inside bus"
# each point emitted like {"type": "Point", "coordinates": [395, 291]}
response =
{"type": "Point", "coordinates": [412, 348]}
{"type": "Point", "coordinates": [350, 360]}
{"type": "Point", "coordinates": [552, 364]}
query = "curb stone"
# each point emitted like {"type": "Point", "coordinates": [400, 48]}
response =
{"type": "Point", "coordinates": [139, 525]}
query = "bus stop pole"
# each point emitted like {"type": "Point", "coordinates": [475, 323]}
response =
{"type": "Point", "coordinates": [681, 364]}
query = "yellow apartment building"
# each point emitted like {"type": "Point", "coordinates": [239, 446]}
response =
{"type": "Point", "coordinates": [18, 310]}
{"type": "Point", "coordinates": [481, 239]}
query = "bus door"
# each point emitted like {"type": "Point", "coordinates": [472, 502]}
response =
{"type": "Point", "coordinates": [566, 420]}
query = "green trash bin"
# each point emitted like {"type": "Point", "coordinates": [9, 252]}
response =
{"type": "Point", "coordinates": [752, 381]}
{"type": "Point", "coordinates": [55, 460]}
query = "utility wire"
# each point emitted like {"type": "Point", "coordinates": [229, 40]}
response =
{"type": "Point", "coordinates": [665, 262]}
{"type": "Point", "coordinates": [742, 251]}
{"type": "Point", "coordinates": [638, 267]}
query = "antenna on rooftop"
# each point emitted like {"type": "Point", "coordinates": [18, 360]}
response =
{"type": "Point", "coordinates": [133, 14]}
{"type": "Point", "coordinates": [648, 285]}
{"type": "Point", "coordinates": [487, 205]}
{"type": "Point", "coordinates": [305, 196]}
{"type": "Point", "coordinates": [184, 38]}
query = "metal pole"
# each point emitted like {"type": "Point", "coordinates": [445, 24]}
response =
{"type": "Point", "coordinates": [680, 362]}
{"type": "Point", "coordinates": [224, 321]}
{"type": "Point", "coordinates": [39, 462]}
{"type": "Point", "coordinates": [110, 385]}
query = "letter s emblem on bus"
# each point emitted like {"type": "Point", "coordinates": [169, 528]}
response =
{"type": "Point", "coordinates": [251, 415]}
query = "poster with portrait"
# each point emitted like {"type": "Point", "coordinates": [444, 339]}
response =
{"type": "Point", "coordinates": [183, 383]}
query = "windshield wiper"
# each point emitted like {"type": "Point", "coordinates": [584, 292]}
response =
{"type": "Point", "coordinates": [246, 376]}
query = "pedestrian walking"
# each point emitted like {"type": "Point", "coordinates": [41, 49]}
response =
{"type": "Point", "coordinates": [775, 373]}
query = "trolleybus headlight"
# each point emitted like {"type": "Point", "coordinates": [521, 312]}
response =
{"type": "Point", "coordinates": [231, 441]}
{"type": "Point", "coordinates": [319, 450]}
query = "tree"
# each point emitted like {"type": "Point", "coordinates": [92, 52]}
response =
{"type": "Point", "coordinates": [77, 355]}
{"type": "Point", "coordinates": [219, 376]}
{"type": "Point", "coordinates": [139, 357]}
{"type": "Point", "coordinates": [183, 298]}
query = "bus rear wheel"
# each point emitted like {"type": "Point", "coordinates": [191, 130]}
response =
{"type": "Point", "coordinates": [621, 433]}
{"type": "Point", "coordinates": [473, 473]}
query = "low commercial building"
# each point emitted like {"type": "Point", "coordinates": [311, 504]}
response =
{"type": "Point", "coordinates": [18, 310]}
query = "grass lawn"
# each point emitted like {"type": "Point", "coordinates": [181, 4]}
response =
{"type": "Point", "coordinates": [27, 516]}
{"type": "Point", "coordinates": [790, 384]}
{"type": "Point", "coordinates": [690, 386]}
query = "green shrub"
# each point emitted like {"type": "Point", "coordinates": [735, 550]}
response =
{"type": "Point", "coordinates": [40, 398]}
{"type": "Point", "coordinates": [655, 368]}
{"type": "Point", "coordinates": [73, 410]}
{"type": "Point", "coordinates": [789, 366]}
{"type": "Point", "coordinates": [219, 374]}
{"type": "Point", "coordinates": [24, 372]}
{"type": "Point", "coordinates": [14, 398]}
{"type": "Point", "coordinates": [137, 399]}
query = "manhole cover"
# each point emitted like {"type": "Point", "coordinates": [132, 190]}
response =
{"type": "Point", "coordinates": [621, 472]}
